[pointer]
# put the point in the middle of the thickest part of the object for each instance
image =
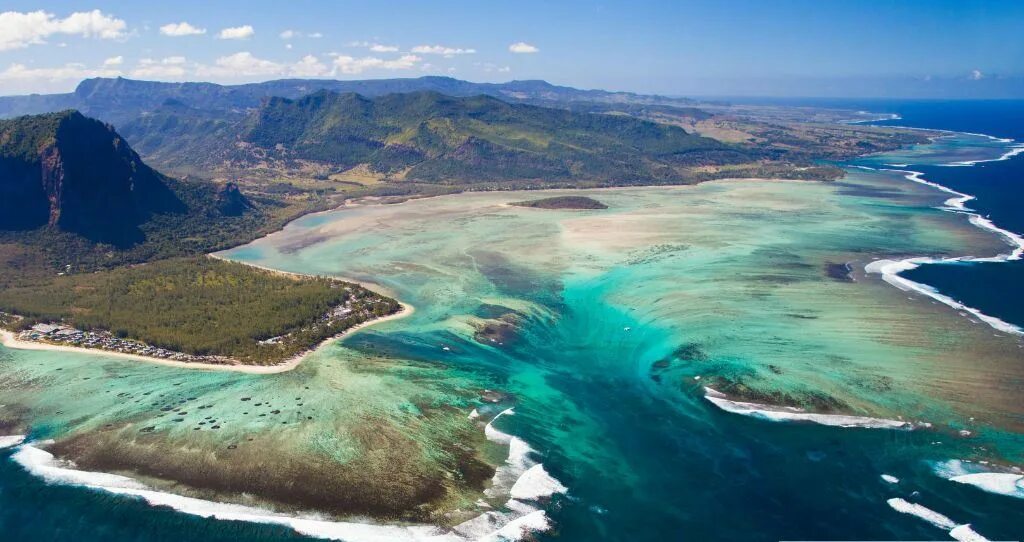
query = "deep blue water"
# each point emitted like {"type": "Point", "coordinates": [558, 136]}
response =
{"type": "Point", "coordinates": [996, 289]}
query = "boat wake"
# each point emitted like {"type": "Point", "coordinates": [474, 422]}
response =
{"type": "Point", "coordinates": [890, 269]}
{"type": "Point", "coordinates": [524, 481]}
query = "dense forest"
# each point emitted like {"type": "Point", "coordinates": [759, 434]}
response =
{"type": "Point", "coordinates": [562, 202]}
{"type": "Point", "coordinates": [200, 306]}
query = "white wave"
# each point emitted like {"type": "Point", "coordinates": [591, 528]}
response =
{"type": "Point", "coordinates": [524, 480]}
{"type": "Point", "coordinates": [520, 477]}
{"type": "Point", "coordinates": [964, 533]}
{"type": "Point", "coordinates": [790, 414]}
{"type": "Point", "coordinates": [1010, 484]}
{"type": "Point", "coordinates": [1014, 151]}
{"type": "Point", "coordinates": [931, 516]}
{"type": "Point", "coordinates": [535, 484]}
{"type": "Point", "coordinates": [961, 532]}
{"type": "Point", "coordinates": [954, 133]}
{"type": "Point", "coordinates": [42, 464]}
{"type": "Point", "coordinates": [890, 269]}
{"type": "Point", "coordinates": [11, 440]}
{"type": "Point", "coordinates": [1003, 483]}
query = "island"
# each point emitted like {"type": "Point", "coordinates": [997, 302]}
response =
{"type": "Point", "coordinates": [562, 202]}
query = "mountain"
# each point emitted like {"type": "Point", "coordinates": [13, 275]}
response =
{"type": "Point", "coordinates": [231, 201]}
{"type": "Point", "coordinates": [118, 100]}
{"type": "Point", "coordinates": [431, 138]}
{"type": "Point", "coordinates": [76, 174]}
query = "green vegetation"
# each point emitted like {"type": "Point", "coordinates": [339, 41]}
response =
{"type": "Point", "coordinates": [200, 306]}
{"type": "Point", "coordinates": [22, 138]}
{"type": "Point", "coordinates": [429, 138]}
{"type": "Point", "coordinates": [199, 230]}
{"type": "Point", "coordinates": [562, 202]}
{"type": "Point", "coordinates": [79, 210]}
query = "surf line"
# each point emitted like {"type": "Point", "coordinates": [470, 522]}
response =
{"type": "Point", "coordinates": [890, 269]}
{"type": "Point", "coordinates": [522, 483]}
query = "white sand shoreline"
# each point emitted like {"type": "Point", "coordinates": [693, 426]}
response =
{"type": "Point", "coordinates": [9, 340]}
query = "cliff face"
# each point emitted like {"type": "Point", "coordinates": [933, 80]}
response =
{"type": "Point", "coordinates": [74, 173]}
{"type": "Point", "coordinates": [231, 201]}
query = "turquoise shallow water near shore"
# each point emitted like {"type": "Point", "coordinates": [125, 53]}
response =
{"type": "Point", "coordinates": [598, 324]}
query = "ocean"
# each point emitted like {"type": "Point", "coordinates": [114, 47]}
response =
{"type": "Point", "coordinates": [617, 321]}
{"type": "Point", "coordinates": [996, 289]}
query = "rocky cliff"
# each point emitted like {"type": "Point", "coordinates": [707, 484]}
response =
{"type": "Point", "coordinates": [67, 171]}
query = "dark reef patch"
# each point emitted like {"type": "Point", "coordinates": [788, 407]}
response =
{"type": "Point", "coordinates": [838, 271]}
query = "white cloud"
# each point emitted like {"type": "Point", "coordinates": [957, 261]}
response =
{"type": "Point", "coordinates": [976, 75]}
{"type": "Point", "coordinates": [245, 65]}
{"type": "Point", "coordinates": [172, 67]}
{"type": "Point", "coordinates": [441, 50]}
{"type": "Point", "coordinates": [290, 34]}
{"type": "Point", "coordinates": [492, 67]}
{"type": "Point", "coordinates": [349, 65]}
{"type": "Point", "coordinates": [309, 66]}
{"type": "Point", "coordinates": [19, 30]}
{"type": "Point", "coordinates": [114, 61]}
{"type": "Point", "coordinates": [242, 64]}
{"type": "Point", "coordinates": [181, 29]}
{"type": "Point", "coordinates": [19, 78]}
{"type": "Point", "coordinates": [375, 47]}
{"type": "Point", "coordinates": [237, 33]}
{"type": "Point", "coordinates": [523, 47]}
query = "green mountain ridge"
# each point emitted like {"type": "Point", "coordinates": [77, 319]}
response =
{"type": "Point", "coordinates": [432, 138]}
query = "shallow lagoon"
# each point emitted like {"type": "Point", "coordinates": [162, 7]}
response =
{"type": "Point", "coordinates": [608, 318]}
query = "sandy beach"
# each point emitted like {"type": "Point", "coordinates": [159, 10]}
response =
{"type": "Point", "coordinates": [9, 340]}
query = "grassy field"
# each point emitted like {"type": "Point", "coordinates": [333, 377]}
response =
{"type": "Point", "coordinates": [200, 306]}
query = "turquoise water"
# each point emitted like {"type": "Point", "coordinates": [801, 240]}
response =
{"type": "Point", "coordinates": [608, 318]}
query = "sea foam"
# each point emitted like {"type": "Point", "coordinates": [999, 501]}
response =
{"type": "Point", "coordinates": [890, 269]}
{"type": "Point", "coordinates": [523, 480]}
{"type": "Point", "coordinates": [1001, 483]}
{"type": "Point", "coordinates": [11, 440]}
{"type": "Point", "coordinates": [792, 414]}
{"type": "Point", "coordinates": [961, 532]}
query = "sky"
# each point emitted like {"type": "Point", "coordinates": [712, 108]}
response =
{"type": "Point", "coordinates": [865, 48]}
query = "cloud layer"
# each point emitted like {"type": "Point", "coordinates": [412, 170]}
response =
{"type": "Point", "coordinates": [19, 30]}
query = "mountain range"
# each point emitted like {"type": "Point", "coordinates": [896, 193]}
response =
{"type": "Point", "coordinates": [117, 100]}
{"type": "Point", "coordinates": [425, 137]}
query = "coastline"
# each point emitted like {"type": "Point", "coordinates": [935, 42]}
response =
{"type": "Point", "coordinates": [371, 286]}
{"type": "Point", "coordinates": [890, 269]}
{"type": "Point", "coordinates": [9, 340]}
